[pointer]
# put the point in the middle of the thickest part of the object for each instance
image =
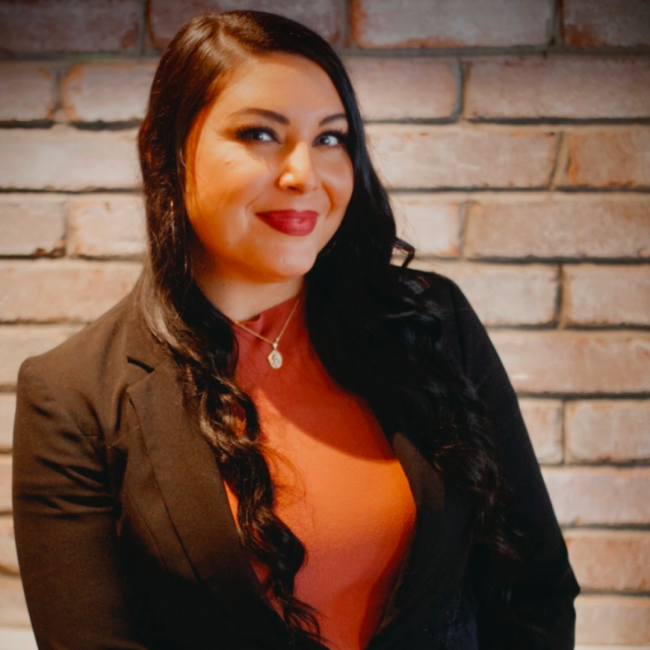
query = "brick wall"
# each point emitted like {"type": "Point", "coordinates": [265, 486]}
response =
{"type": "Point", "coordinates": [515, 138]}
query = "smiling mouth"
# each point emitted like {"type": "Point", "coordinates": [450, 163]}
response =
{"type": "Point", "coordinates": [290, 222]}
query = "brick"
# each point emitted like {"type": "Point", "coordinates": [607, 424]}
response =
{"type": "Point", "coordinates": [106, 226]}
{"type": "Point", "coordinates": [167, 16]}
{"type": "Point", "coordinates": [608, 159]}
{"type": "Point", "coordinates": [52, 26]}
{"type": "Point", "coordinates": [414, 157]}
{"type": "Point", "coordinates": [7, 411]}
{"type": "Point", "coordinates": [609, 559]}
{"type": "Point", "coordinates": [66, 290]}
{"type": "Point", "coordinates": [543, 420]}
{"type": "Point", "coordinates": [595, 23]}
{"type": "Point", "coordinates": [18, 343]}
{"type": "Point", "coordinates": [568, 229]}
{"type": "Point", "coordinates": [31, 224]}
{"type": "Point", "coordinates": [606, 295]}
{"type": "Point", "coordinates": [436, 23]}
{"type": "Point", "coordinates": [579, 647]}
{"type": "Point", "coordinates": [23, 639]}
{"type": "Point", "coordinates": [431, 226]}
{"type": "Point", "coordinates": [404, 88]}
{"type": "Point", "coordinates": [13, 609]}
{"type": "Point", "coordinates": [504, 295]}
{"type": "Point", "coordinates": [584, 496]}
{"type": "Point", "coordinates": [575, 362]}
{"type": "Point", "coordinates": [8, 557]}
{"type": "Point", "coordinates": [608, 431]}
{"type": "Point", "coordinates": [108, 92]}
{"type": "Point", "coordinates": [567, 87]}
{"type": "Point", "coordinates": [62, 158]}
{"type": "Point", "coordinates": [608, 620]}
{"type": "Point", "coordinates": [27, 92]}
{"type": "Point", "coordinates": [5, 483]}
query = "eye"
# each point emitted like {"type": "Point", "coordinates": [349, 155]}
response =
{"type": "Point", "coordinates": [256, 134]}
{"type": "Point", "coordinates": [333, 138]}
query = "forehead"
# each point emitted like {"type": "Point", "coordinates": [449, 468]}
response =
{"type": "Point", "coordinates": [278, 81]}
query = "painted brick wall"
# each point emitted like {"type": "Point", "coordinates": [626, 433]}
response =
{"type": "Point", "coordinates": [515, 138]}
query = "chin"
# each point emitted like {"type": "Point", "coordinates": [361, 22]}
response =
{"type": "Point", "coordinates": [294, 266]}
{"type": "Point", "coordinates": [286, 274]}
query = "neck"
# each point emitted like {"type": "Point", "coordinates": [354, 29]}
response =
{"type": "Point", "coordinates": [240, 300]}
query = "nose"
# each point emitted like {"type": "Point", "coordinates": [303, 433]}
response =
{"type": "Point", "coordinates": [298, 172]}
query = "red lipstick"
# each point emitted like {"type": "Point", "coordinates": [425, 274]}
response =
{"type": "Point", "coordinates": [290, 222]}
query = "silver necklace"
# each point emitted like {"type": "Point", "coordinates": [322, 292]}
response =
{"type": "Point", "coordinates": [275, 357]}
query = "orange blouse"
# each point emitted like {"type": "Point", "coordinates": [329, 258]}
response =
{"type": "Point", "coordinates": [338, 484]}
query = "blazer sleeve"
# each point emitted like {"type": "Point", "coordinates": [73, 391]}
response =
{"type": "Point", "coordinates": [75, 585]}
{"type": "Point", "coordinates": [526, 605]}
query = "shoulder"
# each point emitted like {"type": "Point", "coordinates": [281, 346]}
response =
{"type": "Point", "coordinates": [93, 346]}
{"type": "Point", "coordinates": [461, 333]}
{"type": "Point", "coordinates": [86, 374]}
{"type": "Point", "coordinates": [438, 288]}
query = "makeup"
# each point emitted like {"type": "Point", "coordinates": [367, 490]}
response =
{"type": "Point", "coordinates": [290, 222]}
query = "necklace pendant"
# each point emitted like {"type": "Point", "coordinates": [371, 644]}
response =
{"type": "Point", "coordinates": [275, 359]}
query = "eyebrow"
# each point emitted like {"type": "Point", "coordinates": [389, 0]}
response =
{"type": "Point", "coordinates": [278, 117]}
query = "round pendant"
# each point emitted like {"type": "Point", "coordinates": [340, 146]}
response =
{"type": "Point", "coordinates": [275, 359]}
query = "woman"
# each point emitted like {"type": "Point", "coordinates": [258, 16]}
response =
{"type": "Point", "coordinates": [279, 439]}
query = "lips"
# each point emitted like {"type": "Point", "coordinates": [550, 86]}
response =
{"type": "Point", "coordinates": [290, 222]}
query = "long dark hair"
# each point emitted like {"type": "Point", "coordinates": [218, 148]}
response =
{"type": "Point", "coordinates": [371, 322]}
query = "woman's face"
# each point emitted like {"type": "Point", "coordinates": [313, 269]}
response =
{"type": "Point", "coordinates": [268, 174]}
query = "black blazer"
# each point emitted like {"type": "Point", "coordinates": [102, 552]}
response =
{"type": "Point", "coordinates": [126, 540]}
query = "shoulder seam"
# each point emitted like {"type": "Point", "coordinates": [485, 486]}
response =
{"type": "Point", "coordinates": [27, 367]}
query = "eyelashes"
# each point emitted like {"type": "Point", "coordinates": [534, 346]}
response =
{"type": "Point", "coordinates": [251, 133]}
{"type": "Point", "coordinates": [248, 132]}
{"type": "Point", "coordinates": [341, 135]}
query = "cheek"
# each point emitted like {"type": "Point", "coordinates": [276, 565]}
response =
{"type": "Point", "coordinates": [231, 186]}
{"type": "Point", "coordinates": [340, 180]}
{"type": "Point", "coordinates": [226, 172]}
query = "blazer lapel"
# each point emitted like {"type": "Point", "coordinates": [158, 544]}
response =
{"type": "Point", "coordinates": [194, 497]}
{"type": "Point", "coordinates": [191, 487]}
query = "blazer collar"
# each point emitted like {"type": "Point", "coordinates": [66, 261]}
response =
{"type": "Point", "coordinates": [142, 347]}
